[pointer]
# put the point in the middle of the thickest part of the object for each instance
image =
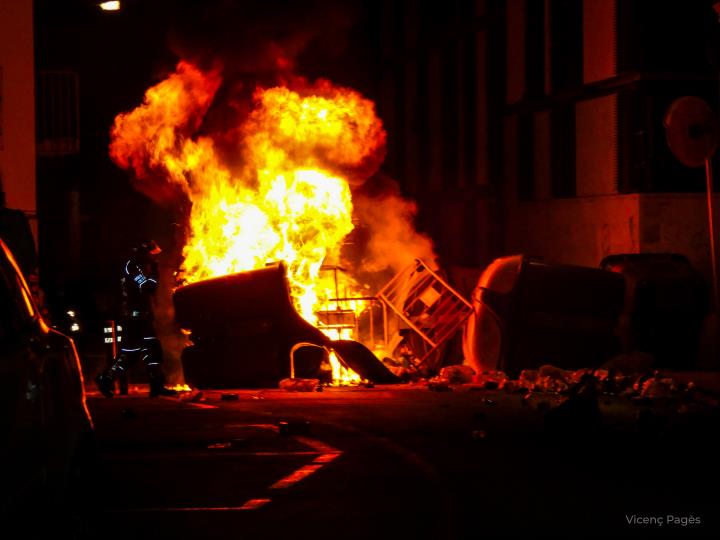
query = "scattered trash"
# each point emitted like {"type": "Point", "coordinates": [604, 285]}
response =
{"type": "Point", "coordinates": [293, 427]}
{"type": "Point", "coordinates": [552, 379]}
{"type": "Point", "coordinates": [299, 385]}
{"type": "Point", "coordinates": [658, 388]}
{"type": "Point", "coordinates": [640, 381]}
{"type": "Point", "coordinates": [579, 413]}
{"type": "Point", "coordinates": [513, 386]}
{"type": "Point", "coordinates": [491, 380]}
{"type": "Point", "coordinates": [192, 397]}
{"type": "Point", "coordinates": [528, 378]}
{"type": "Point", "coordinates": [229, 397]}
{"type": "Point", "coordinates": [457, 374]}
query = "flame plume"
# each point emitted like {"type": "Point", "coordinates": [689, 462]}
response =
{"type": "Point", "coordinates": [302, 146]}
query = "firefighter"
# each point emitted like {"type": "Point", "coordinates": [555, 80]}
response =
{"type": "Point", "coordinates": [139, 283]}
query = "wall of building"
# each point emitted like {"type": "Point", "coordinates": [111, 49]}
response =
{"type": "Point", "coordinates": [587, 170]}
{"type": "Point", "coordinates": [678, 223]}
{"type": "Point", "coordinates": [17, 105]}
{"type": "Point", "coordinates": [578, 231]}
{"type": "Point", "coordinates": [583, 230]}
{"type": "Point", "coordinates": [436, 103]}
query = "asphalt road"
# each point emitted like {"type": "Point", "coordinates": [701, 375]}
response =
{"type": "Point", "coordinates": [396, 462]}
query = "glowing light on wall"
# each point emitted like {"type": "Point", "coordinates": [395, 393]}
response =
{"type": "Point", "coordinates": [110, 6]}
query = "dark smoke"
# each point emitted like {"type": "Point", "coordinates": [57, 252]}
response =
{"type": "Point", "coordinates": [386, 240]}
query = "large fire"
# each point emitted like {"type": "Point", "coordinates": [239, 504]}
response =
{"type": "Point", "coordinates": [301, 147]}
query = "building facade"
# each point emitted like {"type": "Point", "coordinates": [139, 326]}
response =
{"type": "Point", "coordinates": [17, 106]}
{"type": "Point", "coordinates": [536, 126]}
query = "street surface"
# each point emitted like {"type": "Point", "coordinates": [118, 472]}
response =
{"type": "Point", "coordinates": [393, 462]}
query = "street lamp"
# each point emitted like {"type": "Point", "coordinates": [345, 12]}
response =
{"type": "Point", "coordinates": [110, 6]}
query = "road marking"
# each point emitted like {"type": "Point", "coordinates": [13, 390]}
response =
{"type": "Point", "coordinates": [320, 446]}
{"type": "Point", "coordinates": [271, 427]}
{"type": "Point", "coordinates": [295, 476]}
{"type": "Point", "coordinates": [325, 458]}
{"type": "Point", "coordinates": [199, 405]}
{"type": "Point", "coordinates": [324, 452]}
{"type": "Point", "coordinates": [252, 504]}
{"type": "Point", "coordinates": [196, 454]}
{"type": "Point", "coordinates": [190, 403]}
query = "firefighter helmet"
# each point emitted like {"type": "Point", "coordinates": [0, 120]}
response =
{"type": "Point", "coordinates": [147, 248]}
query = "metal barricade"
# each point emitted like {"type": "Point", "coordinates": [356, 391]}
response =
{"type": "Point", "coordinates": [344, 315]}
{"type": "Point", "coordinates": [427, 304]}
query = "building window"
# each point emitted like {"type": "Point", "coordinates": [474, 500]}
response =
{"type": "Point", "coordinates": [566, 44]}
{"type": "Point", "coordinates": [534, 48]}
{"type": "Point", "coordinates": [526, 161]}
{"type": "Point", "coordinates": [562, 151]}
{"type": "Point", "coordinates": [58, 129]}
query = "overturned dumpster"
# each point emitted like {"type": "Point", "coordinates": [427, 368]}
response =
{"type": "Point", "coordinates": [245, 332]}
{"type": "Point", "coordinates": [527, 313]}
{"type": "Point", "coordinates": [666, 302]}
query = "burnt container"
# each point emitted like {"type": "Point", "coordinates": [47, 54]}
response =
{"type": "Point", "coordinates": [242, 327]}
{"type": "Point", "coordinates": [665, 305]}
{"type": "Point", "coordinates": [528, 313]}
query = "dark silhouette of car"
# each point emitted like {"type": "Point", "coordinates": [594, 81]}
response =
{"type": "Point", "coordinates": [46, 432]}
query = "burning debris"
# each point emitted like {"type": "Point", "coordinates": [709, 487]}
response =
{"type": "Point", "coordinates": [278, 186]}
{"type": "Point", "coordinates": [290, 200]}
{"type": "Point", "coordinates": [245, 331]}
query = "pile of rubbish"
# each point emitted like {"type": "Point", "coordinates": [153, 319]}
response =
{"type": "Point", "coordinates": [649, 385]}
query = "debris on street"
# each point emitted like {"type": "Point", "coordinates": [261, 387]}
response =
{"type": "Point", "coordinates": [457, 374]}
{"type": "Point", "coordinates": [299, 385]}
{"type": "Point", "coordinates": [643, 388]}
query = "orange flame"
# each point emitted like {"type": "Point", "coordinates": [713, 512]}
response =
{"type": "Point", "coordinates": [301, 149]}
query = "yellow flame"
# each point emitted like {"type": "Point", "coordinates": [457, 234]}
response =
{"type": "Point", "coordinates": [342, 375]}
{"type": "Point", "coordinates": [291, 198]}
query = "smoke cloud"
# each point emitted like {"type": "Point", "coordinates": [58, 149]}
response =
{"type": "Point", "coordinates": [392, 241]}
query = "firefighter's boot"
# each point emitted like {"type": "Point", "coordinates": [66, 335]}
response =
{"type": "Point", "coordinates": [157, 383]}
